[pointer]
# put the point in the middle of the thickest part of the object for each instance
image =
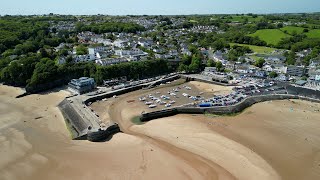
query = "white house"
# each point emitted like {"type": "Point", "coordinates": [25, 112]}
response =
{"type": "Point", "coordinates": [121, 43]}
{"type": "Point", "coordinates": [130, 53]}
{"type": "Point", "coordinates": [84, 58]}
{"type": "Point", "coordinates": [110, 61]}
{"type": "Point", "coordinates": [61, 60]}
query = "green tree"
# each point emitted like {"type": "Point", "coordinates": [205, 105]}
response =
{"type": "Point", "coordinates": [219, 66]}
{"type": "Point", "coordinates": [44, 72]}
{"type": "Point", "coordinates": [211, 63]}
{"type": "Point", "coordinates": [273, 74]}
{"type": "Point", "coordinates": [259, 62]}
{"type": "Point", "coordinates": [81, 50]}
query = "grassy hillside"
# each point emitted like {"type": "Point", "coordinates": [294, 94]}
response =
{"type": "Point", "coordinates": [292, 29]}
{"type": "Point", "coordinates": [314, 33]}
{"type": "Point", "coordinates": [271, 36]}
{"type": "Point", "coordinates": [256, 49]}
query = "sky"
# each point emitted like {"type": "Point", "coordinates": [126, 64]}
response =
{"type": "Point", "coordinates": [156, 7]}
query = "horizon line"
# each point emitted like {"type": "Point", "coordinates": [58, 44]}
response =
{"type": "Point", "coordinates": [191, 14]}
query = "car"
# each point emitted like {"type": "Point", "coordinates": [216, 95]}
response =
{"type": "Point", "coordinates": [152, 106]}
{"type": "Point", "coordinates": [172, 102]}
{"type": "Point", "coordinates": [163, 102]}
{"type": "Point", "coordinates": [148, 103]}
{"type": "Point", "coordinates": [167, 105]}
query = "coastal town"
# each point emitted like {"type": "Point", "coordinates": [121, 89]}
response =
{"type": "Point", "coordinates": [217, 96]}
{"type": "Point", "coordinates": [173, 45]}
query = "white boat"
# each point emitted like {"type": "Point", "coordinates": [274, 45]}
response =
{"type": "Point", "coordinates": [152, 106]}
{"type": "Point", "coordinates": [148, 103]}
{"type": "Point", "coordinates": [162, 102]}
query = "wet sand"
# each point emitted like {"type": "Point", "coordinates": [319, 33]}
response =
{"type": "Point", "coordinates": [34, 144]}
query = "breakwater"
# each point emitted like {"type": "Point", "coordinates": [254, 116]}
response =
{"type": "Point", "coordinates": [220, 110]}
{"type": "Point", "coordinates": [84, 124]}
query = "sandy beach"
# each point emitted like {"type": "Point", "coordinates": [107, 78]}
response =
{"type": "Point", "coordinates": [270, 140]}
{"type": "Point", "coordinates": [35, 144]}
{"type": "Point", "coordinates": [212, 88]}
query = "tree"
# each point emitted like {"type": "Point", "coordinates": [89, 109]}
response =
{"type": "Point", "coordinates": [290, 58]}
{"type": "Point", "coordinates": [211, 63]}
{"type": "Point", "coordinates": [44, 72]}
{"type": "Point", "coordinates": [81, 50]}
{"type": "Point", "coordinates": [219, 66]}
{"type": "Point", "coordinates": [195, 64]}
{"type": "Point", "coordinates": [273, 74]}
{"type": "Point", "coordinates": [280, 25]}
{"type": "Point", "coordinates": [259, 62]}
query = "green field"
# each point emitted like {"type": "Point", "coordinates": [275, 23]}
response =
{"type": "Point", "coordinates": [193, 21]}
{"type": "Point", "coordinates": [257, 49]}
{"type": "Point", "coordinates": [314, 33]}
{"type": "Point", "coordinates": [270, 36]}
{"type": "Point", "coordinates": [292, 29]}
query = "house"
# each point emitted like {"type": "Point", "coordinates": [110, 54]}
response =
{"type": "Point", "coordinates": [130, 53]}
{"type": "Point", "coordinates": [295, 70]}
{"type": "Point", "coordinates": [218, 56]}
{"type": "Point", "coordinates": [61, 60]}
{"type": "Point", "coordinates": [282, 77]}
{"type": "Point", "coordinates": [242, 69]}
{"type": "Point", "coordinates": [301, 82]}
{"type": "Point", "coordinates": [82, 85]}
{"type": "Point", "coordinates": [145, 42]}
{"type": "Point", "coordinates": [84, 58]}
{"type": "Point", "coordinates": [110, 61]}
{"type": "Point", "coordinates": [173, 52]}
{"type": "Point", "coordinates": [186, 52]}
{"type": "Point", "coordinates": [204, 52]}
{"type": "Point", "coordinates": [210, 69]}
{"type": "Point", "coordinates": [261, 74]}
{"type": "Point", "coordinates": [121, 43]}
{"type": "Point", "coordinates": [267, 68]}
{"type": "Point", "coordinates": [314, 74]}
{"type": "Point", "coordinates": [275, 59]}
{"type": "Point", "coordinates": [279, 68]}
{"type": "Point", "coordinates": [159, 56]}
